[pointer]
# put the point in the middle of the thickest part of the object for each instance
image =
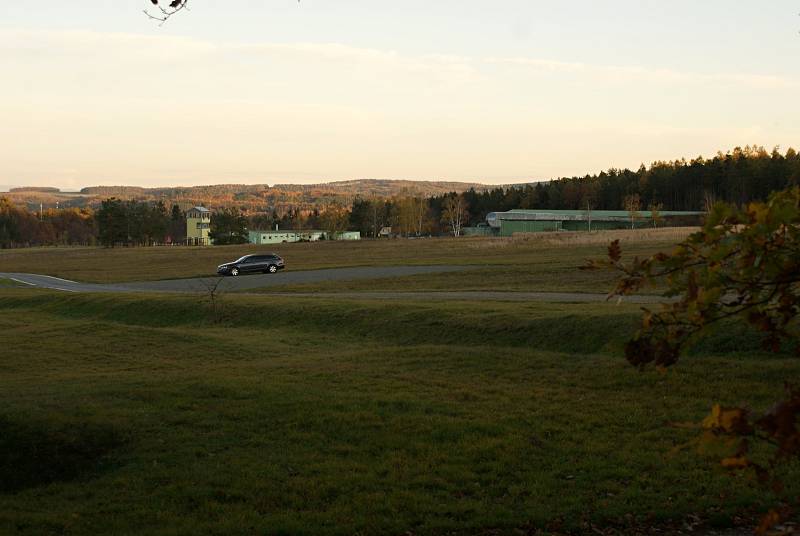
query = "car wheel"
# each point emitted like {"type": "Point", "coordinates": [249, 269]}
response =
{"type": "Point", "coordinates": [235, 272]}
{"type": "Point", "coordinates": [273, 268]}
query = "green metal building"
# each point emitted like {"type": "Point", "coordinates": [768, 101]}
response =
{"type": "Point", "coordinates": [536, 221]}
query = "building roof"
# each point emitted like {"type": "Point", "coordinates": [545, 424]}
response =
{"type": "Point", "coordinates": [200, 209]}
{"type": "Point", "coordinates": [610, 213]}
{"type": "Point", "coordinates": [494, 218]}
{"type": "Point", "coordinates": [285, 231]}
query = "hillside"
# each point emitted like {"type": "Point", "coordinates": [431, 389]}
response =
{"type": "Point", "coordinates": [249, 197]}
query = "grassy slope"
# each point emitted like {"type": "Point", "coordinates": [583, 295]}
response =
{"type": "Point", "coordinates": [324, 417]}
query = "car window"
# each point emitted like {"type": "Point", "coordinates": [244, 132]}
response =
{"type": "Point", "coordinates": [241, 259]}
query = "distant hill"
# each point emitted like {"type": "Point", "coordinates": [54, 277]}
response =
{"type": "Point", "coordinates": [42, 189]}
{"type": "Point", "coordinates": [248, 197]}
{"type": "Point", "coordinates": [384, 188]}
{"type": "Point", "coordinates": [364, 187]}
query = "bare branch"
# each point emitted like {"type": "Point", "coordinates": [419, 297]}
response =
{"type": "Point", "coordinates": [174, 7]}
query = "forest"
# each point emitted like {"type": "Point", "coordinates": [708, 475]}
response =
{"type": "Point", "coordinates": [738, 177]}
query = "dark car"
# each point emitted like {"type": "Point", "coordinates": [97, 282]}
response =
{"type": "Point", "coordinates": [249, 264]}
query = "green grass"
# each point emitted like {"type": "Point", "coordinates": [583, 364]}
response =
{"type": "Point", "coordinates": [558, 275]}
{"type": "Point", "coordinates": [341, 417]}
{"type": "Point", "coordinates": [512, 264]}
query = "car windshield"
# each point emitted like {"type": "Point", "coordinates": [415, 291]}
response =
{"type": "Point", "coordinates": [241, 259]}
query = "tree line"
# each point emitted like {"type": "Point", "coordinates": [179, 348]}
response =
{"type": "Point", "coordinates": [410, 215]}
{"type": "Point", "coordinates": [741, 176]}
{"type": "Point", "coordinates": [135, 223]}
{"type": "Point", "coordinates": [738, 177]}
{"type": "Point", "coordinates": [66, 227]}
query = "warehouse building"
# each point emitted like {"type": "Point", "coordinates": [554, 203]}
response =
{"type": "Point", "coordinates": [281, 236]}
{"type": "Point", "coordinates": [536, 221]}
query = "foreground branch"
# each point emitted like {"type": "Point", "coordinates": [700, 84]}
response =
{"type": "Point", "coordinates": [165, 13]}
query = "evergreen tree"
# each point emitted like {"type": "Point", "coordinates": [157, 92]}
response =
{"type": "Point", "coordinates": [228, 226]}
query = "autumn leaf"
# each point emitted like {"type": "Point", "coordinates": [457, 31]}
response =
{"type": "Point", "coordinates": [727, 420]}
{"type": "Point", "coordinates": [735, 462]}
{"type": "Point", "coordinates": [772, 518]}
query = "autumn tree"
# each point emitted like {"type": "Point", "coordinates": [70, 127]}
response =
{"type": "Point", "coordinates": [49, 227]}
{"type": "Point", "coordinates": [334, 220]}
{"type": "Point", "coordinates": [9, 231]}
{"type": "Point", "coordinates": [655, 213]}
{"type": "Point", "coordinates": [633, 205]}
{"type": "Point", "coordinates": [744, 265]}
{"type": "Point", "coordinates": [420, 209]}
{"type": "Point", "coordinates": [73, 226]}
{"type": "Point", "coordinates": [455, 213]}
{"type": "Point", "coordinates": [402, 214]}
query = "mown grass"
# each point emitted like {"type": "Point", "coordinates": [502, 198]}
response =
{"type": "Point", "coordinates": [344, 417]}
{"type": "Point", "coordinates": [556, 274]}
{"type": "Point", "coordinates": [517, 264]}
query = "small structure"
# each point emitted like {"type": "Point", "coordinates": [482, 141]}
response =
{"type": "Point", "coordinates": [535, 221]}
{"type": "Point", "coordinates": [198, 227]}
{"type": "Point", "coordinates": [280, 236]}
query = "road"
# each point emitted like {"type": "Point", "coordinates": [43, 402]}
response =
{"type": "Point", "coordinates": [252, 282]}
{"type": "Point", "coordinates": [248, 282]}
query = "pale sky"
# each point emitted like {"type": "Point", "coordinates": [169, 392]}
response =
{"type": "Point", "coordinates": [497, 91]}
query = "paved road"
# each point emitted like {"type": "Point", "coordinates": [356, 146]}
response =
{"type": "Point", "coordinates": [248, 282]}
{"type": "Point", "coordinates": [251, 282]}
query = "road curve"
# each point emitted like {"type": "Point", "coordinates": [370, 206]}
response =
{"type": "Point", "coordinates": [252, 282]}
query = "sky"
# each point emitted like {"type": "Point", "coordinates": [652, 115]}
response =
{"type": "Point", "coordinates": [494, 91]}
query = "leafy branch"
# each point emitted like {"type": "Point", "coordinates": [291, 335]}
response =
{"type": "Point", "coordinates": [743, 264]}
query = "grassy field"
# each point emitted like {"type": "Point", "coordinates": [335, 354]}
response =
{"type": "Point", "coordinates": [536, 262]}
{"type": "Point", "coordinates": [559, 272]}
{"type": "Point", "coordinates": [131, 415]}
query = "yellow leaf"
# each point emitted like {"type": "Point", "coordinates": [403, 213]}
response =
{"type": "Point", "coordinates": [712, 421]}
{"type": "Point", "coordinates": [725, 419]}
